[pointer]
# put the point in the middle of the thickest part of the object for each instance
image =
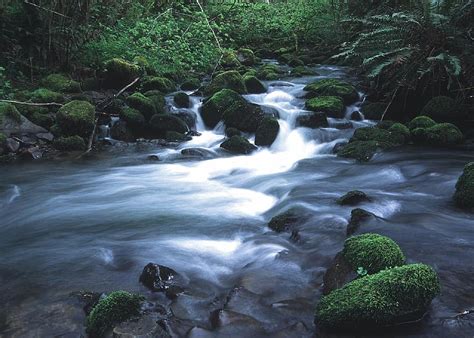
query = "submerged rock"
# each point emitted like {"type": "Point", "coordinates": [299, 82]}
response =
{"type": "Point", "coordinates": [284, 221]}
{"type": "Point", "coordinates": [267, 132]}
{"type": "Point", "coordinates": [239, 145]}
{"type": "Point", "coordinates": [358, 216]}
{"type": "Point", "coordinates": [157, 278]}
{"type": "Point", "coordinates": [353, 198]}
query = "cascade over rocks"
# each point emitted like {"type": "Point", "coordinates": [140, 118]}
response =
{"type": "Point", "coordinates": [214, 107]}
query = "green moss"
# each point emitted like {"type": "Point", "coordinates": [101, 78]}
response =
{"type": "Point", "coordinates": [10, 111]}
{"type": "Point", "coordinates": [421, 122]}
{"type": "Point", "coordinates": [229, 60]}
{"type": "Point", "coordinates": [243, 116]}
{"type": "Point", "coordinates": [254, 85]}
{"type": "Point", "coordinates": [61, 83]}
{"type": "Point", "coordinates": [227, 80]}
{"type": "Point", "coordinates": [191, 84]}
{"type": "Point", "coordinates": [372, 252]}
{"type": "Point", "coordinates": [361, 151]}
{"type": "Point", "coordinates": [441, 135]}
{"type": "Point", "coordinates": [164, 123]}
{"type": "Point", "coordinates": [162, 84]}
{"type": "Point", "coordinates": [239, 145]}
{"type": "Point", "coordinates": [43, 95]}
{"type": "Point", "coordinates": [385, 298]}
{"type": "Point", "coordinates": [269, 72]}
{"type": "Point", "coordinates": [302, 71]}
{"type": "Point", "coordinates": [246, 56]}
{"type": "Point", "coordinates": [117, 307]}
{"type": "Point", "coordinates": [119, 73]}
{"type": "Point", "coordinates": [385, 124]}
{"type": "Point", "coordinates": [267, 132]}
{"type": "Point", "coordinates": [134, 119]}
{"type": "Point", "coordinates": [181, 100]}
{"type": "Point", "coordinates": [331, 105]}
{"type": "Point", "coordinates": [143, 104]}
{"type": "Point", "coordinates": [402, 130]}
{"type": "Point", "coordinates": [214, 108]}
{"type": "Point", "coordinates": [333, 87]}
{"type": "Point", "coordinates": [71, 143]}
{"type": "Point", "coordinates": [464, 195]}
{"type": "Point", "coordinates": [442, 109]}
{"type": "Point", "coordinates": [384, 138]}
{"type": "Point", "coordinates": [76, 118]}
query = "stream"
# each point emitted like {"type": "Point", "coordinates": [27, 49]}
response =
{"type": "Point", "coordinates": [93, 224]}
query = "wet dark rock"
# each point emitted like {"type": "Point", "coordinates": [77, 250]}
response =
{"type": "Point", "coordinates": [197, 152]}
{"type": "Point", "coordinates": [358, 216]}
{"type": "Point", "coordinates": [31, 153]}
{"type": "Point", "coordinates": [181, 100]}
{"type": "Point", "coordinates": [193, 133]}
{"type": "Point", "coordinates": [121, 132]}
{"type": "Point", "coordinates": [254, 85]}
{"type": "Point", "coordinates": [313, 120]}
{"type": "Point", "coordinates": [284, 222]}
{"type": "Point", "coordinates": [267, 132]}
{"type": "Point", "coordinates": [157, 278]}
{"type": "Point", "coordinates": [88, 299]}
{"type": "Point", "coordinates": [270, 111]}
{"type": "Point", "coordinates": [45, 136]}
{"type": "Point", "coordinates": [229, 132]}
{"type": "Point", "coordinates": [342, 125]}
{"type": "Point", "coordinates": [338, 146]}
{"type": "Point", "coordinates": [239, 145]}
{"type": "Point", "coordinates": [142, 327]}
{"type": "Point", "coordinates": [173, 136]}
{"type": "Point", "coordinates": [244, 116]}
{"type": "Point", "coordinates": [353, 198]}
{"type": "Point", "coordinates": [153, 158]}
{"type": "Point", "coordinates": [356, 116]}
{"type": "Point", "coordinates": [188, 117]}
{"type": "Point", "coordinates": [12, 145]}
{"type": "Point", "coordinates": [338, 274]}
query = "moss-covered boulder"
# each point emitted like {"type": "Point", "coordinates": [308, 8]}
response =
{"type": "Point", "coordinates": [267, 132]}
{"type": "Point", "coordinates": [158, 100]}
{"type": "Point", "coordinates": [213, 108]}
{"type": "Point", "coordinates": [421, 122]}
{"type": "Point", "coordinates": [254, 85]}
{"type": "Point", "coordinates": [464, 195]}
{"type": "Point", "coordinates": [172, 136]}
{"type": "Point", "coordinates": [119, 73]}
{"type": "Point", "coordinates": [400, 131]}
{"type": "Point", "coordinates": [135, 120]}
{"type": "Point", "coordinates": [441, 135]}
{"type": "Point", "coordinates": [269, 72]}
{"type": "Point", "coordinates": [181, 100]}
{"type": "Point", "coordinates": [373, 110]}
{"type": "Point", "coordinates": [162, 84]}
{"type": "Point", "coordinates": [70, 143]}
{"type": "Point", "coordinates": [61, 83]}
{"type": "Point", "coordinates": [229, 60]}
{"type": "Point", "coordinates": [385, 138]}
{"type": "Point", "coordinates": [333, 87]}
{"type": "Point", "coordinates": [229, 132]}
{"type": "Point", "coordinates": [246, 57]}
{"type": "Point", "coordinates": [43, 95]}
{"type": "Point", "coordinates": [163, 123]}
{"type": "Point", "coordinates": [300, 71]}
{"type": "Point", "coordinates": [143, 104]}
{"type": "Point", "coordinates": [361, 151]}
{"type": "Point", "coordinates": [238, 145]}
{"type": "Point", "coordinates": [244, 116]}
{"type": "Point", "coordinates": [442, 109]}
{"type": "Point", "coordinates": [373, 253]}
{"type": "Point", "coordinates": [41, 117]}
{"type": "Point", "coordinates": [387, 298]}
{"type": "Point", "coordinates": [333, 106]}
{"type": "Point", "coordinates": [227, 80]}
{"type": "Point", "coordinates": [313, 120]}
{"type": "Point", "coordinates": [117, 307]}
{"type": "Point", "coordinates": [191, 84]}
{"type": "Point", "coordinates": [76, 118]}
{"type": "Point", "coordinates": [8, 110]}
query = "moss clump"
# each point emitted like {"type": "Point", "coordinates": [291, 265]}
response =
{"type": "Point", "coordinates": [361, 151]}
{"type": "Point", "coordinates": [373, 253]}
{"type": "Point", "coordinates": [158, 100]}
{"type": "Point", "coordinates": [254, 85]}
{"type": "Point", "coordinates": [119, 73]}
{"type": "Point", "coordinates": [229, 60]}
{"type": "Point", "coordinates": [117, 307]}
{"type": "Point", "coordinates": [246, 57]}
{"type": "Point", "coordinates": [302, 71]}
{"type": "Point", "coordinates": [143, 104]}
{"type": "Point", "coordinates": [227, 80]}
{"type": "Point", "coordinates": [162, 84]}
{"type": "Point", "coordinates": [43, 95]}
{"type": "Point", "coordinates": [76, 118]}
{"type": "Point", "coordinates": [331, 105]}
{"type": "Point", "coordinates": [134, 119]}
{"type": "Point", "coordinates": [421, 122]}
{"type": "Point", "coordinates": [333, 87]}
{"type": "Point", "coordinates": [267, 132]}
{"type": "Point", "coordinates": [442, 109]}
{"type": "Point", "coordinates": [10, 111]}
{"type": "Point", "coordinates": [464, 195]}
{"type": "Point", "coordinates": [385, 298]}
{"type": "Point", "coordinates": [191, 84]}
{"type": "Point", "coordinates": [71, 143]}
{"type": "Point", "coordinates": [269, 72]}
{"type": "Point", "coordinates": [384, 138]}
{"type": "Point", "coordinates": [61, 83]}
{"type": "Point", "coordinates": [401, 130]}
{"type": "Point", "coordinates": [181, 100]}
{"type": "Point", "coordinates": [239, 145]}
{"type": "Point", "coordinates": [441, 135]}
{"type": "Point", "coordinates": [164, 123]}
{"type": "Point", "coordinates": [214, 108]}
{"type": "Point", "coordinates": [243, 116]}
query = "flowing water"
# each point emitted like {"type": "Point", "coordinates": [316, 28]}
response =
{"type": "Point", "coordinates": [94, 224]}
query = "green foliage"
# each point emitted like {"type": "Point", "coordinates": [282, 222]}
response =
{"type": "Point", "coordinates": [372, 252]}
{"type": "Point", "coordinates": [117, 307]}
{"type": "Point", "coordinates": [385, 298]}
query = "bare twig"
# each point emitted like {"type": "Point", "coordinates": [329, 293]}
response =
{"type": "Point", "coordinates": [46, 9]}
{"type": "Point", "coordinates": [108, 101]}
{"type": "Point", "coordinates": [32, 103]}
{"type": "Point", "coordinates": [389, 104]}
{"type": "Point", "coordinates": [209, 25]}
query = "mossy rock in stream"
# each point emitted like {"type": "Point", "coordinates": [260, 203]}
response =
{"type": "Point", "coordinates": [401, 130]}
{"type": "Point", "coordinates": [163, 123]}
{"type": "Point", "coordinates": [116, 308]}
{"type": "Point", "coordinates": [119, 73]}
{"type": "Point", "coordinates": [229, 132]}
{"type": "Point", "coordinates": [158, 100]}
{"type": "Point", "coordinates": [213, 108]}
{"type": "Point", "coordinates": [440, 135]}
{"type": "Point", "coordinates": [61, 83]}
{"type": "Point", "coordinates": [385, 138]}
{"type": "Point", "coordinates": [181, 100]}
{"type": "Point", "coordinates": [134, 120]}
{"type": "Point", "coordinates": [353, 197]}
{"type": "Point", "coordinates": [143, 104]}
{"type": "Point", "coordinates": [246, 57]}
{"type": "Point", "coordinates": [300, 71]}
{"type": "Point", "coordinates": [284, 221]}
{"type": "Point", "coordinates": [387, 298]}
{"type": "Point", "coordinates": [38, 115]}
{"type": "Point", "coordinates": [76, 118]}
{"type": "Point", "coordinates": [70, 143]}
{"type": "Point", "coordinates": [244, 116]}
{"type": "Point", "coordinates": [372, 252]}
{"type": "Point", "coordinates": [191, 84]}
{"type": "Point", "coordinates": [362, 151]}
{"type": "Point", "coordinates": [43, 95]}
{"type": "Point", "coordinates": [172, 136]}
{"type": "Point", "coordinates": [254, 85]}
{"type": "Point", "coordinates": [229, 60]}
{"type": "Point", "coordinates": [267, 132]}
{"type": "Point", "coordinates": [332, 87]}
{"type": "Point", "coordinates": [464, 195]}
{"type": "Point", "coordinates": [162, 84]}
{"type": "Point", "coordinates": [442, 109]}
{"type": "Point", "coordinates": [269, 72]}
{"type": "Point", "coordinates": [238, 145]}
{"type": "Point", "coordinates": [227, 80]}
{"type": "Point", "coordinates": [421, 122]}
{"type": "Point", "coordinates": [331, 105]}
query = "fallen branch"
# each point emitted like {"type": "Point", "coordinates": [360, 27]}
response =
{"type": "Point", "coordinates": [91, 139]}
{"type": "Point", "coordinates": [32, 103]}
{"type": "Point", "coordinates": [390, 104]}
{"type": "Point", "coordinates": [46, 9]}
{"type": "Point", "coordinates": [107, 102]}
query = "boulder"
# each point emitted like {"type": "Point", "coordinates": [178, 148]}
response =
{"type": "Point", "coordinates": [353, 198]}
{"type": "Point", "coordinates": [61, 83]}
{"type": "Point", "coordinates": [161, 84]}
{"type": "Point", "coordinates": [238, 145]}
{"type": "Point", "coordinates": [246, 57]}
{"type": "Point", "coordinates": [464, 195]}
{"type": "Point", "coordinates": [143, 327]}
{"type": "Point", "coordinates": [229, 132]}
{"type": "Point", "coordinates": [300, 71]}
{"type": "Point", "coordinates": [9, 144]}
{"type": "Point", "coordinates": [213, 109]}
{"type": "Point", "coordinates": [121, 132]}
{"type": "Point", "coordinates": [331, 105]}
{"type": "Point", "coordinates": [358, 217]}
{"type": "Point", "coordinates": [356, 116]}
{"type": "Point", "coordinates": [119, 73]}
{"type": "Point", "coordinates": [157, 278]}
{"type": "Point", "coordinates": [181, 100]}
{"type": "Point", "coordinates": [191, 84]}
{"type": "Point", "coordinates": [70, 143]}
{"type": "Point", "coordinates": [134, 120]}
{"type": "Point", "coordinates": [43, 95]}
{"type": "Point", "coordinates": [441, 135]}
{"type": "Point", "coordinates": [269, 72]}
{"type": "Point", "coordinates": [76, 118]}
{"type": "Point", "coordinates": [12, 122]}
{"type": "Point", "coordinates": [143, 104]}
{"type": "Point", "coordinates": [421, 122]}
{"type": "Point", "coordinates": [361, 151]}
{"type": "Point", "coordinates": [313, 120]}
{"type": "Point", "coordinates": [285, 221]}
{"type": "Point", "coordinates": [401, 130]}
{"type": "Point", "coordinates": [229, 60]}
{"type": "Point", "coordinates": [158, 100]}
{"type": "Point", "coordinates": [387, 298]}
{"type": "Point", "coordinates": [333, 87]}
{"type": "Point", "coordinates": [254, 85]}
{"type": "Point", "coordinates": [267, 132]}
{"type": "Point", "coordinates": [384, 138]}
{"type": "Point", "coordinates": [164, 123]}
{"type": "Point", "coordinates": [227, 80]}
{"type": "Point", "coordinates": [189, 117]}
{"type": "Point", "coordinates": [244, 116]}
{"type": "Point", "coordinates": [443, 109]}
